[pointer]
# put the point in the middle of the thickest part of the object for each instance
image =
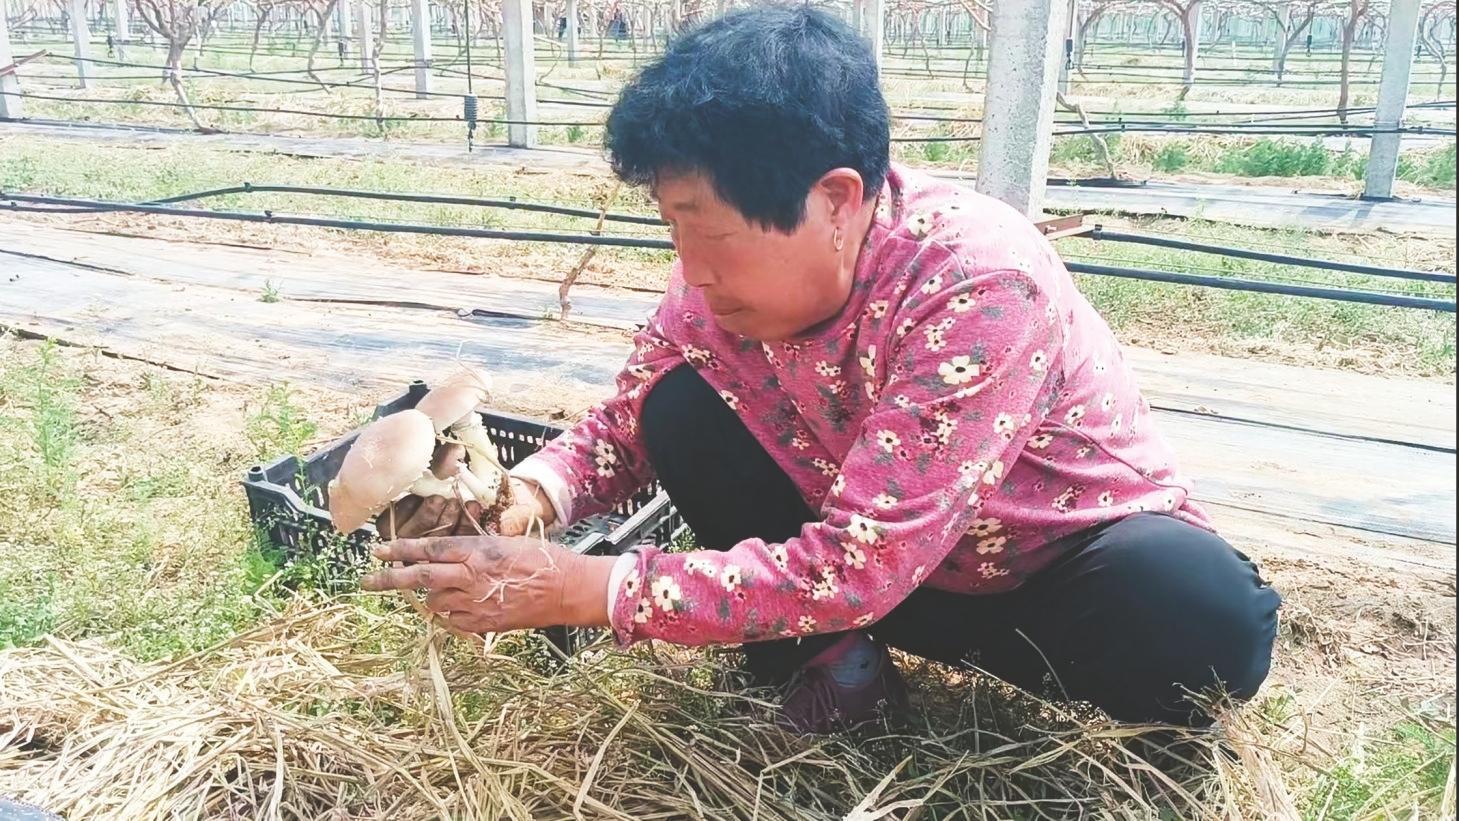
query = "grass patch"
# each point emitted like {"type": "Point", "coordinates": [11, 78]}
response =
{"type": "Point", "coordinates": [126, 527]}
{"type": "Point", "coordinates": [1278, 158]}
{"type": "Point", "coordinates": [1172, 158]}
{"type": "Point", "coordinates": [1431, 169]}
{"type": "Point", "coordinates": [1338, 334]}
{"type": "Point", "coordinates": [1391, 776]}
{"type": "Point", "coordinates": [280, 426]}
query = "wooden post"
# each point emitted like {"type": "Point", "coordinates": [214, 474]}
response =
{"type": "Point", "coordinates": [81, 39]}
{"type": "Point", "coordinates": [521, 73]}
{"type": "Point", "coordinates": [1018, 114]}
{"type": "Point", "coordinates": [12, 105]}
{"type": "Point", "coordinates": [420, 21]}
{"type": "Point", "coordinates": [1392, 97]}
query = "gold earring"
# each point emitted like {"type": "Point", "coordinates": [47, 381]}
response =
{"type": "Point", "coordinates": [838, 240]}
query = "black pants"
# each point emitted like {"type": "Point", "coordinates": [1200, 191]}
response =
{"type": "Point", "coordinates": [1135, 613]}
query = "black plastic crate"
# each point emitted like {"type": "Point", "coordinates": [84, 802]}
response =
{"type": "Point", "coordinates": [288, 499]}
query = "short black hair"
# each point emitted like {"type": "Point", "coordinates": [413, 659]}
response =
{"type": "Point", "coordinates": [762, 101]}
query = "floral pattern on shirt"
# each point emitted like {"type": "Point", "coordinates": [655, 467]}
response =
{"type": "Point", "coordinates": [966, 410]}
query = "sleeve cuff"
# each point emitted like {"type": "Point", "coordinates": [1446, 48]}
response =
{"type": "Point", "coordinates": [621, 568]}
{"type": "Point", "coordinates": [538, 471]}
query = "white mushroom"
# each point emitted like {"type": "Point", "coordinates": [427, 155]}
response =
{"type": "Point", "coordinates": [452, 409]}
{"type": "Point", "coordinates": [397, 455]}
{"type": "Point", "coordinates": [390, 458]}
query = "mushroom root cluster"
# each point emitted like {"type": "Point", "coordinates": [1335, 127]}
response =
{"type": "Point", "coordinates": [398, 455]}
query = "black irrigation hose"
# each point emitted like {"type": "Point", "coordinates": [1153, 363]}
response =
{"type": "Point", "coordinates": [361, 84]}
{"type": "Point", "coordinates": [88, 206]}
{"type": "Point", "coordinates": [1307, 131]}
{"type": "Point", "coordinates": [1330, 112]}
{"type": "Point", "coordinates": [1101, 233]}
{"type": "Point", "coordinates": [1185, 267]}
{"type": "Point", "coordinates": [48, 205]}
{"type": "Point", "coordinates": [1240, 284]}
{"type": "Point", "coordinates": [437, 199]}
{"type": "Point", "coordinates": [1352, 131]}
{"type": "Point", "coordinates": [1137, 122]}
{"type": "Point", "coordinates": [1199, 83]}
{"type": "Point", "coordinates": [291, 111]}
{"type": "Point", "coordinates": [1116, 127]}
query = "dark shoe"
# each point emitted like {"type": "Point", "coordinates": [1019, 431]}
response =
{"type": "Point", "coordinates": [817, 703]}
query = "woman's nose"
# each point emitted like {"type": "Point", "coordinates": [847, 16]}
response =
{"type": "Point", "coordinates": [697, 275]}
{"type": "Point", "coordinates": [696, 269]}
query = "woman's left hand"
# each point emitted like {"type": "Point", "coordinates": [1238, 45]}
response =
{"type": "Point", "coordinates": [491, 584]}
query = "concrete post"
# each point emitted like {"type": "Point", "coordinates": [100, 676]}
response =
{"type": "Point", "coordinates": [420, 22]}
{"type": "Point", "coordinates": [875, 19]}
{"type": "Point", "coordinates": [573, 45]}
{"type": "Point", "coordinates": [521, 73]}
{"type": "Point", "coordinates": [344, 17]}
{"type": "Point", "coordinates": [1392, 97]}
{"type": "Point", "coordinates": [123, 25]}
{"type": "Point", "coordinates": [1018, 113]}
{"type": "Point", "coordinates": [856, 22]}
{"type": "Point", "coordinates": [81, 40]}
{"type": "Point", "coordinates": [12, 107]}
{"type": "Point", "coordinates": [366, 35]}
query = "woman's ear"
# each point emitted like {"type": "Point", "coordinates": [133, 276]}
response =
{"type": "Point", "coordinates": [844, 192]}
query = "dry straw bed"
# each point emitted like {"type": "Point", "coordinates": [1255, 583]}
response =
{"type": "Point", "coordinates": [340, 708]}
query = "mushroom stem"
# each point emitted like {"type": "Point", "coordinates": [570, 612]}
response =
{"type": "Point", "coordinates": [429, 485]}
{"type": "Point", "coordinates": [472, 434]}
{"type": "Point", "coordinates": [484, 493]}
{"type": "Point", "coordinates": [480, 490]}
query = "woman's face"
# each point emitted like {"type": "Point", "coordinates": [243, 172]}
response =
{"type": "Point", "coordinates": [764, 284]}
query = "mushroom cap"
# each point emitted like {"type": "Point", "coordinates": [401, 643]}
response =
{"type": "Point", "coordinates": [390, 454]}
{"type": "Point", "coordinates": [455, 398]}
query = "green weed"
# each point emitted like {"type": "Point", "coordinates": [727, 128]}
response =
{"type": "Point", "coordinates": [1278, 158]}
{"type": "Point", "coordinates": [936, 151]}
{"type": "Point", "coordinates": [279, 427]}
{"type": "Point", "coordinates": [1433, 169]}
{"type": "Point", "coordinates": [44, 418]}
{"type": "Point", "coordinates": [1172, 157]}
{"type": "Point", "coordinates": [1394, 776]}
{"type": "Point", "coordinates": [27, 611]}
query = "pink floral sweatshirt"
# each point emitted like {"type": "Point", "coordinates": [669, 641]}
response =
{"type": "Point", "coordinates": [966, 408]}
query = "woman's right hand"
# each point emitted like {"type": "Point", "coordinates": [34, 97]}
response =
{"type": "Point", "coordinates": [529, 506]}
